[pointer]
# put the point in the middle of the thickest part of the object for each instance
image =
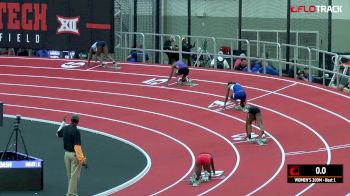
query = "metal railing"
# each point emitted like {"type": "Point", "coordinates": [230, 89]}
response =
{"type": "Point", "coordinates": [264, 54]}
{"type": "Point", "coordinates": [126, 44]}
{"type": "Point", "coordinates": [232, 41]}
{"type": "Point", "coordinates": [163, 38]}
{"type": "Point", "coordinates": [301, 56]}
{"type": "Point", "coordinates": [205, 51]}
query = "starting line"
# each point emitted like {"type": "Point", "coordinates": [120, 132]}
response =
{"type": "Point", "coordinates": [318, 150]}
{"type": "Point", "coordinates": [217, 176]}
{"type": "Point", "coordinates": [161, 81]}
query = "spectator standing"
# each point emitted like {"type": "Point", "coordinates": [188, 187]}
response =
{"type": "Point", "coordinates": [74, 158]}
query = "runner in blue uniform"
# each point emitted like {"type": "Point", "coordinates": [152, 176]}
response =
{"type": "Point", "coordinates": [238, 95]}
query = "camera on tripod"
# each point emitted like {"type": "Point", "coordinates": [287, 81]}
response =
{"type": "Point", "coordinates": [17, 119]}
{"type": "Point", "coordinates": [17, 134]}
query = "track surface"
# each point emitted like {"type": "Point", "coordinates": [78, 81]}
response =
{"type": "Point", "coordinates": [306, 123]}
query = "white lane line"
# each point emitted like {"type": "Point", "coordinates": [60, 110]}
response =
{"type": "Point", "coordinates": [313, 131]}
{"type": "Point", "coordinates": [281, 79]}
{"type": "Point", "coordinates": [203, 70]}
{"type": "Point", "coordinates": [175, 89]}
{"type": "Point", "coordinates": [195, 91]}
{"type": "Point", "coordinates": [172, 83]}
{"type": "Point", "coordinates": [216, 82]}
{"type": "Point", "coordinates": [194, 106]}
{"type": "Point", "coordinates": [337, 147]}
{"type": "Point", "coordinates": [129, 182]}
{"type": "Point", "coordinates": [245, 141]}
{"type": "Point", "coordinates": [144, 111]}
{"type": "Point", "coordinates": [255, 98]}
{"type": "Point", "coordinates": [272, 92]}
{"type": "Point", "coordinates": [145, 171]}
{"type": "Point", "coordinates": [289, 97]}
{"type": "Point", "coordinates": [94, 67]}
{"type": "Point", "coordinates": [250, 75]}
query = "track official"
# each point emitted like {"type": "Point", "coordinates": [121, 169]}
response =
{"type": "Point", "coordinates": [74, 158]}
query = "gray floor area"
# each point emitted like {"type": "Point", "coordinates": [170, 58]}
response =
{"type": "Point", "coordinates": [110, 162]}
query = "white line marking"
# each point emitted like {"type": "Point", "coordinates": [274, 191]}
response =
{"type": "Point", "coordinates": [275, 140]}
{"type": "Point", "coordinates": [205, 93]}
{"type": "Point", "coordinates": [236, 166]}
{"type": "Point", "coordinates": [177, 89]}
{"type": "Point", "coordinates": [145, 111]}
{"type": "Point", "coordinates": [107, 82]}
{"type": "Point", "coordinates": [245, 141]}
{"type": "Point", "coordinates": [172, 83]}
{"type": "Point", "coordinates": [272, 92]}
{"type": "Point", "coordinates": [289, 97]}
{"type": "Point", "coordinates": [255, 98]}
{"type": "Point", "coordinates": [337, 147]}
{"type": "Point", "coordinates": [276, 93]}
{"type": "Point", "coordinates": [129, 182]}
{"type": "Point", "coordinates": [94, 67]}
{"type": "Point", "coordinates": [313, 131]}
{"type": "Point", "coordinates": [205, 70]}
{"type": "Point", "coordinates": [120, 187]}
{"type": "Point", "coordinates": [250, 75]}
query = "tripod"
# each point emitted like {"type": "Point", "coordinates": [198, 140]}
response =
{"type": "Point", "coordinates": [203, 57]}
{"type": "Point", "coordinates": [16, 131]}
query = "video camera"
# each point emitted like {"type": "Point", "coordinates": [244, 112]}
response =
{"type": "Point", "coordinates": [17, 119]}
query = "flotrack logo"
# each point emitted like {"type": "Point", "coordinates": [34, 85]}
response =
{"type": "Point", "coordinates": [316, 9]}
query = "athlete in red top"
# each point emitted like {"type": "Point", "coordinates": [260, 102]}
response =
{"type": "Point", "coordinates": [206, 161]}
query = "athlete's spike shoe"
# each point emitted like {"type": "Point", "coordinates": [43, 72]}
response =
{"type": "Point", "coordinates": [196, 183]}
{"type": "Point", "coordinates": [245, 109]}
{"type": "Point", "coordinates": [252, 140]}
{"type": "Point", "coordinates": [205, 177]}
{"type": "Point", "coordinates": [237, 107]}
{"type": "Point", "coordinates": [263, 138]}
{"type": "Point", "coordinates": [259, 142]}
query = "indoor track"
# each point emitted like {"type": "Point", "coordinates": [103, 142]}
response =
{"type": "Point", "coordinates": [306, 123]}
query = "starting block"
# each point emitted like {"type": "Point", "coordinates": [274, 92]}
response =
{"type": "Point", "coordinates": [193, 182]}
{"type": "Point", "coordinates": [204, 177]}
{"type": "Point", "coordinates": [187, 83]}
{"type": "Point", "coordinates": [244, 109]}
{"type": "Point", "coordinates": [106, 65]}
{"type": "Point", "coordinates": [258, 142]}
{"type": "Point", "coordinates": [237, 107]}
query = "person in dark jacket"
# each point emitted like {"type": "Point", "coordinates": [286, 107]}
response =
{"type": "Point", "coordinates": [74, 157]}
{"type": "Point", "coordinates": [168, 45]}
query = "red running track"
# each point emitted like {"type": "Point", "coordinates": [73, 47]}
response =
{"type": "Point", "coordinates": [173, 124]}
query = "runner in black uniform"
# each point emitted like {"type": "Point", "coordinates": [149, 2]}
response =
{"type": "Point", "coordinates": [254, 114]}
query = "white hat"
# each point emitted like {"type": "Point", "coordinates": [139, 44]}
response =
{"type": "Point", "coordinates": [220, 58]}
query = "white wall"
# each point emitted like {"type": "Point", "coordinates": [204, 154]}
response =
{"type": "Point", "coordinates": [251, 8]}
{"type": "Point", "coordinates": [345, 15]}
{"type": "Point", "coordinates": [212, 8]}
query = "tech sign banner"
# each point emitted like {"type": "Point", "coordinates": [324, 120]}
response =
{"type": "Point", "coordinates": [56, 24]}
